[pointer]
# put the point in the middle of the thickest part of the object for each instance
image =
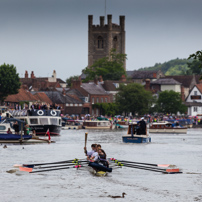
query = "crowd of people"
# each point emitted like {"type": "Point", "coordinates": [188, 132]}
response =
{"type": "Point", "coordinates": [45, 106]}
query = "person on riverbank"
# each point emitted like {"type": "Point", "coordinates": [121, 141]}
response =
{"type": "Point", "coordinates": [16, 128]}
{"type": "Point", "coordinates": [26, 129]}
{"type": "Point", "coordinates": [9, 131]}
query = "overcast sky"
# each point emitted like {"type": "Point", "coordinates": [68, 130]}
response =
{"type": "Point", "coordinates": [47, 35]}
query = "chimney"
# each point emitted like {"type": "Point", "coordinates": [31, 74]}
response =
{"type": "Point", "coordinates": [96, 80]}
{"type": "Point", "coordinates": [76, 83]}
{"type": "Point", "coordinates": [26, 74]}
{"type": "Point", "coordinates": [154, 75]}
{"type": "Point", "coordinates": [123, 78]}
{"type": "Point", "coordinates": [100, 79]}
{"type": "Point", "coordinates": [182, 93]}
{"type": "Point", "coordinates": [32, 75]}
{"type": "Point", "coordinates": [147, 86]}
{"type": "Point", "coordinates": [63, 92]}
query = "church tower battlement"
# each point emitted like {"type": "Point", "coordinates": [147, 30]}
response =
{"type": "Point", "coordinates": [104, 37]}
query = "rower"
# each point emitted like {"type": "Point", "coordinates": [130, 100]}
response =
{"type": "Point", "coordinates": [90, 153]}
{"type": "Point", "coordinates": [103, 157]}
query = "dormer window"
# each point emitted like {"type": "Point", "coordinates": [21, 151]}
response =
{"type": "Point", "coordinates": [100, 42]}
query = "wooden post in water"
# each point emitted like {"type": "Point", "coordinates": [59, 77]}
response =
{"type": "Point", "coordinates": [21, 133]}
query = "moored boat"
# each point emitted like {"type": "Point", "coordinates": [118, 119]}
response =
{"type": "Point", "coordinates": [166, 127]}
{"type": "Point", "coordinates": [40, 120]}
{"type": "Point", "coordinates": [71, 124]}
{"type": "Point", "coordinates": [22, 139]}
{"type": "Point", "coordinates": [97, 124]}
{"type": "Point", "coordinates": [132, 135]}
{"type": "Point", "coordinates": [122, 124]}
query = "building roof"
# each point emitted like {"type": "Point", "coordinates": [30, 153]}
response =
{"type": "Point", "coordinates": [110, 85]}
{"type": "Point", "coordinates": [54, 96]}
{"type": "Point", "coordinates": [185, 80]}
{"type": "Point", "coordinates": [94, 89]}
{"type": "Point", "coordinates": [189, 104]}
{"type": "Point", "coordinates": [42, 97]}
{"type": "Point", "coordinates": [22, 95]}
{"type": "Point", "coordinates": [167, 81]}
{"type": "Point", "coordinates": [199, 86]}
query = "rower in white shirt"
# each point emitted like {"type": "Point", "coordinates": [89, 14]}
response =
{"type": "Point", "coordinates": [93, 154]}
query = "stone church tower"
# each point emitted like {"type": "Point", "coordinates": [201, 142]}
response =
{"type": "Point", "coordinates": [102, 38]}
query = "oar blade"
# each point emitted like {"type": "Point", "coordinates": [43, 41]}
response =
{"type": "Point", "coordinates": [17, 165]}
{"type": "Point", "coordinates": [163, 165]}
{"type": "Point", "coordinates": [173, 170]}
{"type": "Point", "coordinates": [25, 169]}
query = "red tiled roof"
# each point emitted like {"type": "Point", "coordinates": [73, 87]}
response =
{"type": "Point", "coordinates": [199, 86]}
{"type": "Point", "coordinates": [43, 97]}
{"type": "Point", "coordinates": [23, 95]}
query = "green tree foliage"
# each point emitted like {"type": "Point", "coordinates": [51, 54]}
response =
{"type": "Point", "coordinates": [196, 64]}
{"type": "Point", "coordinates": [134, 98]}
{"type": "Point", "coordinates": [170, 102]}
{"type": "Point", "coordinates": [172, 67]}
{"type": "Point", "coordinates": [109, 109]}
{"type": "Point", "coordinates": [9, 81]}
{"type": "Point", "coordinates": [70, 79]}
{"type": "Point", "coordinates": [110, 68]}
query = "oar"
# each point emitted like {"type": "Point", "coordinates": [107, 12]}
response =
{"type": "Point", "coordinates": [30, 170]}
{"type": "Point", "coordinates": [40, 164]}
{"type": "Point", "coordinates": [152, 169]}
{"type": "Point", "coordinates": [86, 136]}
{"type": "Point", "coordinates": [68, 164]}
{"type": "Point", "coordinates": [149, 164]}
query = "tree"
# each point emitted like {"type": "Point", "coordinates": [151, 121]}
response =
{"type": "Point", "coordinates": [134, 98]}
{"type": "Point", "coordinates": [111, 67]}
{"type": "Point", "coordinates": [196, 65]}
{"type": "Point", "coordinates": [9, 81]}
{"type": "Point", "coordinates": [170, 102]}
{"type": "Point", "coordinates": [109, 109]}
{"type": "Point", "coordinates": [70, 79]}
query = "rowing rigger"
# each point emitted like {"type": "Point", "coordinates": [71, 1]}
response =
{"type": "Point", "coordinates": [147, 166]}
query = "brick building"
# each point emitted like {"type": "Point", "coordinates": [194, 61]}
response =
{"type": "Point", "coordinates": [42, 83]}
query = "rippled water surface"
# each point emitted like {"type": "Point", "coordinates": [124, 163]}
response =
{"type": "Point", "coordinates": [184, 150]}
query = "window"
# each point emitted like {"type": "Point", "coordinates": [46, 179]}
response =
{"type": "Point", "coordinates": [43, 121]}
{"type": "Point", "coordinates": [97, 99]}
{"type": "Point", "coordinates": [33, 121]}
{"type": "Point", "coordinates": [195, 109]}
{"type": "Point", "coordinates": [53, 121]}
{"type": "Point", "coordinates": [2, 128]}
{"type": "Point", "coordinates": [100, 42]}
{"type": "Point", "coordinates": [195, 92]}
{"type": "Point", "coordinates": [93, 100]}
{"type": "Point", "coordinates": [115, 42]}
{"type": "Point", "coordinates": [106, 99]}
{"type": "Point", "coordinates": [101, 100]}
{"type": "Point", "coordinates": [86, 99]}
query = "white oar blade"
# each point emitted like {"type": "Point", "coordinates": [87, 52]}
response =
{"type": "Point", "coordinates": [163, 165]}
{"type": "Point", "coordinates": [17, 165]}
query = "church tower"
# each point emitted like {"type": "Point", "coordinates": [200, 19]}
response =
{"type": "Point", "coordinates": [104, 37]}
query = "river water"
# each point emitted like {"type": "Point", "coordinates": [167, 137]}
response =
{"type": "Point", "coordinates": [184, 150]}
